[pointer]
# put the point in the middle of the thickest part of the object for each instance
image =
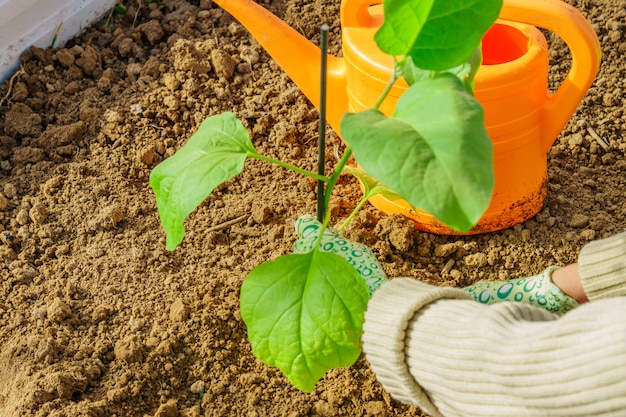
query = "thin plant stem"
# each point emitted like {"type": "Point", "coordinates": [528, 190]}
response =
{"type": "Point", "coordinates": [333, 179]}
{"type": "Point", "coordinates": [345, 157]}
{"type": "Point", "coordinates": [354, 212]}
{"type": "Point", "coordinates": [386, 91]}
{"type": "Point", "coordinates": [318, 241]}
{"type": "Point", "coordinates": [290, 167]}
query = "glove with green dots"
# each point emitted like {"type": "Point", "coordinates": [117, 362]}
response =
{"type": "Point", "coordinates": [358, 255]}
{"type": "Point", "coordinates": [538, 290]}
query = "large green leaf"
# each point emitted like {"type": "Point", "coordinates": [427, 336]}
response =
{"type": "Point", "coordinates": [402, 25]}
{"type": "Point", "coordinates": [442, 152]}
{"type": "Point", "coordinates": [304, 314]}
{"type": "Point", "coordinates": [445, 38]}
{"type": "Point", "coordinates": [213, 155]}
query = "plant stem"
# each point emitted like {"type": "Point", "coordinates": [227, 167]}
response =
{"type": "Point", "coordinates": [318, 241]}
{"type": "Point", "coordinates": [385, 92]}
{"type": "Point", "coordinates": [333, 179]}
{"type": "Point", "coordinates": [344, 159]}
{"type": "Point", "coordinates": [289, 166]}
{"type": "Point", "coordinates": [351, 216]}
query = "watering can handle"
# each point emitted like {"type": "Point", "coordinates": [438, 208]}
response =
{"type": "Point", "coordinates": [355, 13]}
{"type": "Point", "coordinates": [567, 22]}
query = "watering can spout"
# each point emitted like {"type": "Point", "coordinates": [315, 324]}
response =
{"type": "Point", "coordinates": [295, 54]}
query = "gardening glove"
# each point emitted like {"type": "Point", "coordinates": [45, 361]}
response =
{"type": "Point", "coordinates": [358, 255]}
{"type": "Point", "coordinates": [538, 290]}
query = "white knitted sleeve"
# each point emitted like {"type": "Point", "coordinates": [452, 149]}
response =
{"type": "Point", "coordinates": [431, 347]}
{"type": "Point", "coordinates": [602, 267]}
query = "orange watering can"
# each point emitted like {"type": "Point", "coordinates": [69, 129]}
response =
{"type": "Point", "coordinates": [523, 118]}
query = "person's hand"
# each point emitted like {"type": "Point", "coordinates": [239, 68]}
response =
{"type": "Point", "coordinates": [358, 255]}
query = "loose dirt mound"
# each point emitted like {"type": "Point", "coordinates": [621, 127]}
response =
{"type": "Point", "coordinates": [97, 319]}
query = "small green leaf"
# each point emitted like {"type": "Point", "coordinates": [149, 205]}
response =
{"type": "Point", "coordinates": [412, 73]}
{"type": "Point", "coordinates": [445, 38]}
{"type": "Point", "coordinates": [213, 155]}
{"type": "Point", "coordinates": [120, 8]}
{"type": "Point", "coordinates": [371, 185]}
{"type": "Point", "coordinates": [304, 314]}
{"type": "Point", "coordinates": [466, 72]}
{"type": "Point", "coordinates": [444, 154]}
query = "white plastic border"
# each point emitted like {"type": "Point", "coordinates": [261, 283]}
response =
{"type": "Point", "coordinates": [34, 22]}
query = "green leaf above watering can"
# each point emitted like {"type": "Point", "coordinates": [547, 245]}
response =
{"type": "Point", "coordinates": [403, 23]}
{"type": "Point", "coordinates": [436, 35]}
{"type": "Point", "coordinates": [213, 155]}
{"type": "Point", "coordinates": [466, 72]}
{"type": "Point", "coordinates": [304, 314]}
{"type": "Point", "coordinates": [438, 128]}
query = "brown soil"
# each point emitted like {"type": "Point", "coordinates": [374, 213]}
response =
{"type": "Point", "coordinates": [97, 319]}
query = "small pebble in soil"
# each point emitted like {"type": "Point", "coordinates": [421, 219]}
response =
{"type": "Point", "coordinates": [579, 220]}
{"type": "Point", "coordinates": [179, 311]}
{"type": "Point", "coordinates": [447, 267]}
{"type": "Point", "coordinates": [65, 385]}
{"type": "Point", "coordinates": [249, 55]}
{"type": "Point", "coordinates": [38, 213]}
{"type": "Point", "coordinates": [22, 120]}
{"type": "Point", "coordinates": [101, 312]}
{"type": "Point", "coordinates": [65, 57]}
{"type": "Point", "coordinates": [456, 275]}
{"type": "Point", "coordinates": [22, 217]}
{"type": "Point", "coordinates": [376, 409]}
{"type": "Point", "coordinates": [152, 30]}
{"type": "Point", "coordinates": [446, 249]}
{"type": "Point", "coordinates": [197, 387]}
{"type": "Point", "coordinates": [89, 60]}
{"type": "Point", "coordinates": [129, 349]}
{"type": "Point", "coordinates": [261, 213]}
{"type": "Point", "coordinates": [58, 310]}
{"type": "Point", "coordinates": [223, 63]}
{"type": "Point", "coordinates": [27, 154]}
{"type": "Point", "coordinates": [7, 238]}
{"type": "Point", "coordinates": [169, 409]}
{"type": "Point", "coordinates": [588, 234]}
{"type": "Point", "coordinates": [476, 260]}
{"type": "Point", "coordinates": [9, 190]}
{"type": "Point", "coordinates": [3, 202]}
{"type": "Point", "coordinates": [146, 155]}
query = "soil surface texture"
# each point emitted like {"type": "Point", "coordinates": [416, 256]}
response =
{"type": "Point", "coordinates": [98, 319]}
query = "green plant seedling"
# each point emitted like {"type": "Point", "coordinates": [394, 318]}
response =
{"type": "Point", "coordinates": [304, 311]}
{"type": "Point", "coordinates": [119, 8]}
{"type": "Point", "coordinates": [56, 35]}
